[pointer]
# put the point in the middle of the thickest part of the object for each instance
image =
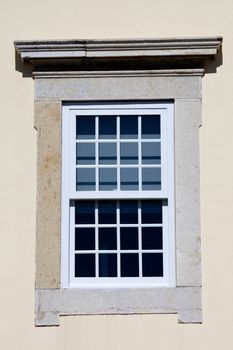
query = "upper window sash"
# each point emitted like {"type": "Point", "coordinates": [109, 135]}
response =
{"type": "Point", "coordinates": [69, 146]}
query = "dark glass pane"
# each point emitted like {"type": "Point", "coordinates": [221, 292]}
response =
{"type": "Point", "coordinates": [85, 127]}
{"type": "Point", "coordinates": [85, 179]}
{"type": "Point", "coordinates": [107, 179]}
{"type": "Point", "coordinates": [129, 153]}
{"type": "Point", "coordinates": [152, 238]}
{"type": "Point", "coordinates": [151, 153]}
{"type": "Point", "coordinates": [152, 264]}
{"type": "Point", "coordinates": [129, 238]}
{"type": "Point", "coordinates": [84, 238]}
{"type": "Point", "coordinates": [85, 153]}
{"type": "Point", "coordinates": [129, 127]}
{"type": "Point", "coordinates": [128, 212]}
{"type": "Point", "coordinates": [84, 212]}
{"type": "Point", "coordinates": [107, 127]}
{"type": "Point", "coordinates": [152, 212]}
{"type": "Point", "coordinates": [84, 265]}
{"type": "Point", "coordinates": [129, 179]}
{"type": "Point", "coordinates": [107, 238]}
{"type": "Point", "coordinates": [108, 265]}
{"type": "Point", "coordinates": [129, 265]}
{"type": "Point", "coordinates": [151, 179]}
{"type": "Point", "coordinates": [107, 153]}
{"type": "Point", "coordinates": [151, 126]}
{"type": "Point", "coordinates": [107, 212]}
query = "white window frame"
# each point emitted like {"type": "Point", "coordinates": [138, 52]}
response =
{"type": "Point", "coordinates": [69, 112]}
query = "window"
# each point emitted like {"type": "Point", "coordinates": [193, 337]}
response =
{"type": "Point", "coordinates": [118, 196]}
{"type": "Point", "coordinates": [118, 167]}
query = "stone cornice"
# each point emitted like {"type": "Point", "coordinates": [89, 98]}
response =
{"type": "Point", "coordinates": [79, 52]}
{"type": "Point", "coordinates": [110, 74]}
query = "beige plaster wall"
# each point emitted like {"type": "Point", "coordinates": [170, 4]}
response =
{"type": "Point", "coordinates": [111, 19]}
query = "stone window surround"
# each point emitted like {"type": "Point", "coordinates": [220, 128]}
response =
{"type": "Point", "coordinates": [136, 70]}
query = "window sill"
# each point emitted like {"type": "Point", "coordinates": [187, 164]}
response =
{"type": "Point", "coordinates": [52, 303]}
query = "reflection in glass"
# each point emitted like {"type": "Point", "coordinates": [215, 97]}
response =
{"type": "Point", "coordinates": [107, 238]}
{"type": "Point", "coordinates": [107, 265]}
{"type": "Point", "coordinates": [129, 179]}
{"type": "Point", "coordinates": [151, 153]}
{"type": "Point", "coordinates": [129, 238]}
{"type": "Point", "coordinates": [85, 153]}
{"type": "Point", "coordinates": [152, 264]}
{"type": "Point", "coordinates": [107, 153]}
{"type": "Point", "coordinates": [129, 127]}
{"type": "Point", "coordinates": [151, 212]}
{"type": "Point", "coordinates": [152, 238]}
{"type": "Point", "coordinates": [84, 238]}
{"type": "Point", "coordinates": [107, 179]}
{"type": "Point", "coordinates": [107, 212]}
{"type": "Point", "coordinates": [151, 126]}
{"type": "Point", "coordinates": [129, 265]}
{"type": "Point", "coordinates": [84, 265]}
{"type": "Point", "coordinates": [151, 179]}
{"type": "Point", "coordinates": [85, 179]}
{"type": "Point", "coordinates": [84, 212]}
{"type": "Point", "coordinates": [107, 127]}
{"type": "Point", "coordinates": [128, 212]}
{"type": "Point", "coordinates": [129, 153]}
{"type": "Point", "coordinates": [85, 127]}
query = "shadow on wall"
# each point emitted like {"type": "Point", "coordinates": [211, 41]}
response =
{"type": "Point", "coordinates": [25, 68]}
{"type": "Point", "coordinates": [212, 64]}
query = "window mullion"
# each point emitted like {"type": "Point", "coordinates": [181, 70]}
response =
{"type": "Point", "coordinates": [97, 153]}
{"type": "Point", "coordinates": [118, 154]}
{"type": "Point", "coordinates": [140, 152]}
{"type": "Point", "coordinates": [118, 240]}
{"type": "Point", "coordinates": [140, 238]}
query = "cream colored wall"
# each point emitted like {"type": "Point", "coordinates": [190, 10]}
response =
{"type": "Point", "coordinates": [46, 19]}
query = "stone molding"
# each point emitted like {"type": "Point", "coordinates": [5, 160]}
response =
{"type": "Point", "coordinates": [164, 47]}
{"type": "Point", "coordinates": [105, 74]}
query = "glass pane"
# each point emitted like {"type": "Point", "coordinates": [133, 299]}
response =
{"type": "Point", "coordinates": [85, 127]}
{"type": "Point", "coordinates": [152, 264]}
{"type": "Point", "coordinates": [107, 127]}
{"type": "Point", "coordinates": [129, 179]}
{"type": "Point", "coordinates": [85, 153]}
{"type": "Point", "coordinates": [128, 212]}
{"type": "Point", "coordinates": [107, 153]}
{"type": "Point", "coordinates": [151, 179]}
{"type": "Point", "coordinates": [129, 153]}
{"type": "Point", "coordinates": [85, 179]}
{"type": "Point", "coordinates": [84, 265]}
{"type": "Point", "coordinates": [107, 212]}
{"type": "Point", "coordinates": [152, 238]}
{"type": "Point", "coordinates": [151, 212]}
{"type": "Point", "coordinates": [107, 179]}
{"type": "Point", "coordinates": [151, 153]}
{"type": "Point", "coordinates": [84, 212]}
{"type": "Point", "coordinates": [107, 238]}
{"type": "Point", "coordinates": [129, 238]}
{"type": "Point", "coordinates": [108, 265]}
{"type": "Point", "coordinates": [129, 127]}
{"type": "Point", "coordinates": [84, 238]}
{"type": "Point", "coordinates": [129, 265]}
{"type": "Point", "coordinates": [151, 126]}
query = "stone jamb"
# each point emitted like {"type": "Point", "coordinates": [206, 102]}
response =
{"type": "Point", "coordinates": [188, 274]}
